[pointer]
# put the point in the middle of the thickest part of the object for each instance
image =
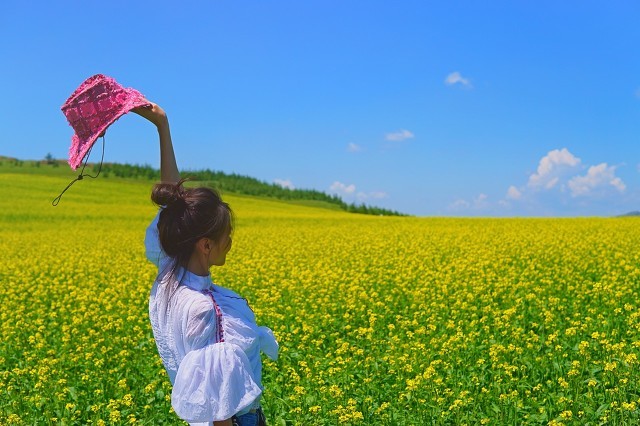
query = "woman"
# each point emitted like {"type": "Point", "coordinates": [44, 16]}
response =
{"type": "Point", "coordinates": [206, 335]}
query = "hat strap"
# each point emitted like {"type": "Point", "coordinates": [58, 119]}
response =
{"type": "Point", "coordinates": [81, 175]}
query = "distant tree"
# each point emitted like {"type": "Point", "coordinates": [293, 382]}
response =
{"type": "Point", "coordinates": [240, 184]}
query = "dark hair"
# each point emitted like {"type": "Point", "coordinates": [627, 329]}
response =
{"type": "Point", "coordinates": [189, 214]}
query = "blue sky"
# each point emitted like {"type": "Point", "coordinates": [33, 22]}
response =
{"type": "Point", "coordinates": [473, 108]}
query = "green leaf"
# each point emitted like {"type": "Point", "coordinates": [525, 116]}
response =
{"type": "Point", "coordinates": [601, 409]}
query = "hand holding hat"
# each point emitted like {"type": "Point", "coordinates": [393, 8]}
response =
{"type": "Point", "coordinates": [154, 113]}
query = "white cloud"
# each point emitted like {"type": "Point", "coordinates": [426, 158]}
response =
{"type": "Point", "coordinates": [353, 147]}
{"type": "Point", "coordinates": [550, 168]}
{"type": "Point", "coordinates": [367, 195]}
{"type": "Point", "coordinates": [342, 189]}
{"type": "Point", "coordinates": [477, 203]}
{"type": "Point", "coordinates": [459, 204]}
{"type": "Point", "coordinates": [378, 194]}
{"type": "Point", "coordinates": [563, 183]}
{"type": "Point", "coordinates": [638, 92]}
{"type": "Point", "coordinates": [285, 183]}
{"type": "Point", "coordinates": [513, 193]}
{"type": "Point", "coordinates": [618, 184]}
{"type": "Point", "coordinates": [456, 78]}
{"type": "Point", "coordinates": [552, 182]}
{"type": "Point", "coordinates": [600, 177]}
{"type": "Point", "coordinates": [480, 201]}
{"type": "Point", "coordinates": [399, 135]}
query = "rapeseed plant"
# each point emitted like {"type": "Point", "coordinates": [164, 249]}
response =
{"type": "Point", "coordinates": [380, 320]}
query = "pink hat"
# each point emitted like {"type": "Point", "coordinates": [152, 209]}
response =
{"type": "Point", "coordinates": [95, 105]}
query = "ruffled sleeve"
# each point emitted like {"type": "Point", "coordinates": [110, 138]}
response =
{"type": "Point", "coordinates": [153, 249]}
{"type": "Point", "coordinates": [215, 379]}
{"type": "Point", "coordinates": [213, 384]}
{"type": "Point", "coordinates": [268, 343]}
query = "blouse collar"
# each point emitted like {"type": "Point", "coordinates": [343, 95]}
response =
{"type": "Point", "coordinates": [194, 281]}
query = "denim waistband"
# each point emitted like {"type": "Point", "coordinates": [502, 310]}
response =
{"type": "Point", "coordinates": [255, 417]}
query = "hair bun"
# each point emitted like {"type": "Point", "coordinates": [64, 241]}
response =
{"type": "Point", "coordinates": [168, 194]}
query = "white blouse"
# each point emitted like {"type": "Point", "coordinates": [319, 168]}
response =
{"type": "Point", "coordinates": [212, 380]}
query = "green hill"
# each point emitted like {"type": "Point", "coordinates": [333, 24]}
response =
{"type": "Point", "coordinates": [223, 182]}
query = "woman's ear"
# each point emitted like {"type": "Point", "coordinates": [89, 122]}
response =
{"type": "Point", "coordinates": [204, 245]}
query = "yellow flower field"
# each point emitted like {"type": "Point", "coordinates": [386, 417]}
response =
{"type": "Point", "coordinates": [381, 320]}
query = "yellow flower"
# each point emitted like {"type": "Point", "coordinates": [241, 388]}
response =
{"type": "Point", "coordinates": [127, 400]}
{"type": "Point", "coordinates": [13, 419]}
{"type": "Point", "coordinates": [114, 416]}
{"type": "Point", "coordinates": [566, 414]}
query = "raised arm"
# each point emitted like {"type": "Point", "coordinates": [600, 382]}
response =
{"type": "Point", "coordinates": [168, 166]}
